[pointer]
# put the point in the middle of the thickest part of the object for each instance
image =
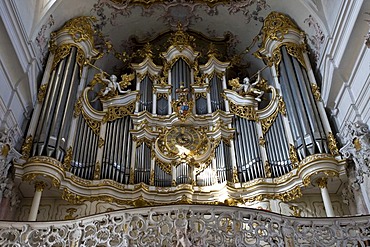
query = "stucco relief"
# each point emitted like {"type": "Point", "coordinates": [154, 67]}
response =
{"type": "Point", "coordinates": [43, 38]}
{"type": "Point", "coordinates": [173, 12]}
{"type": "Point", "coordinates": [316, 40]}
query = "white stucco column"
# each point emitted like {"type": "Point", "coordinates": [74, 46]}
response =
{"type": "Point", "coordinates": [39, 188]}
{"type": "Point", "coordinates": [322, 183]}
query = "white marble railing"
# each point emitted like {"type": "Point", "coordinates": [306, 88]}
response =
{"type": "Point", "coordinates": [189, 225]}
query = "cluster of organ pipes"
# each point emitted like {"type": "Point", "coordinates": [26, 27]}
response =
{"type": "Point", "coordinates": [114, 152]}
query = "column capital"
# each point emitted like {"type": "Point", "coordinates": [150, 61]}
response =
{"type": "Point", "coordinates": [40, 186]}
{"type": "Point", "coordinates": [322, 182]}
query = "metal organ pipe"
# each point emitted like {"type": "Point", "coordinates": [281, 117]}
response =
{"type": "Point", "coordinates": [292, 113]}
{"type": "Point", "coordinates": [43, 126]}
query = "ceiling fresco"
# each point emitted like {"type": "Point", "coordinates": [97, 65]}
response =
{"type": "Point", "coordinates": [119, 21]}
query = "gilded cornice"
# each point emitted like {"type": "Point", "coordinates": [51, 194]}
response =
{"type": "Point", "coordinates": [276, 26]}
{"type": "Point", "coordinates": [80, 29]}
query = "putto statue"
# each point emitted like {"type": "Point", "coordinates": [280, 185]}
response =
{"type": "Point", "coordinates": [112, 85]}
{"type": "Point", "coordinates": [248, 88]}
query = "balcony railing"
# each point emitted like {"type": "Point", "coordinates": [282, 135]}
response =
{"type": "Point", "coordinates": [189, 225]}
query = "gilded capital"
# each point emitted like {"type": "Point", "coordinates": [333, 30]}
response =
{"type": "Point", "coordinates": [322, 182]}
{"type": "Point", "coordinates": [40, 186]}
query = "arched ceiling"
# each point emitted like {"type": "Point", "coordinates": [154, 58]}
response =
{"type": "Point", "coordinates": [120, 19]}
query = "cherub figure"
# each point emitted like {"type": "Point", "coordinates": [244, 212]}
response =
{"type": "Point", "coordinates": [249, 88]}
{"type": "Point", "coordinates": [112, 85]}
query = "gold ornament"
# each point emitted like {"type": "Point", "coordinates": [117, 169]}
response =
{"type": "Point", "coordinates": [40, 186]}
{"type": "Point", "coordinates": [332, 143]}
{"type": "Point", "coordinates": [26, 147]}
{"type": "Point", "coordinates": [293, 156]}
{"type": "Point", "coordinates": [267, 169]}
{"type": "Point", "coordinates": [42, 92]}
{"type": "Point", "coordinates": [68, 159]}
{"type": "Point", "coordinates": [316, 91]}
{"type": "Point", "coordinates": [247, 112]}
{"type": "Point", "coordinates": [97, 171]}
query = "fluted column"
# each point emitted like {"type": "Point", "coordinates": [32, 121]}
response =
{"type": "Point", "coordinates": [39, 188]}
{"type": "Point", "coordinates": [323, 183]}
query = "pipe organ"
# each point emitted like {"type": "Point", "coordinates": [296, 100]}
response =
{"type": "Point", "coordinates": [176, 128]}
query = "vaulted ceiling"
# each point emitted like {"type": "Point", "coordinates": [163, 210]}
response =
{"type": "Point", "coordinates": [121, 19]}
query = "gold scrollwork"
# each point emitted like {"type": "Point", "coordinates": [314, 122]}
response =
{"type": "Point", "coordinates": [78, 107]}
{"type": "Point", "coordinates": [180, 38]}
{"type": "Point", "coordinates": [63, 51]}
{"type": "Point", "coordinates": [152, 178]}
{"type": "Point", "coordinates": [262, 141]}
{"type": "Point", "coordinates": [267, 169]}
{"type": "Point", "coordinates": [116, 112]}
{"type": "Point", "coordinates": [296, 211]}
{"type": "Point", "coordinates": [80, 29]}
{"type": "Point", "coordinates": [132, 176]}
{"type": "Point", "coordinates": [68, 159]}
{"type": "Point", "coordinates": [281, 106]}
{"type": "Point", "coordinates": [293, 156]}
{"type": "Point", "coordinates": [267, 122]}
{"type": "Point", "coordinates": [201, 95]}
{"type": "Point", "coordinates": [46, 160]}
{"type": "Point", "coordinates": [247, 112]}
{"type": "Point", "coordinates": [26, 147]}
{"type": "Point", "coordinates": [276, 26]}
{"type": "Point", "coordinates": [166, 167]}
{"type": "Point", "coordinates": [101, 142]}
{"type": "Point", "coordinates": [69, 215]}
{"type": "Point", "coordinates": [235, 175]}
{"type": "Point", "coordinates": [93, 124]}
{"type": "Point", "coordinates": [322, 182]}
{"type": "Point", "coordinates": [316, 91]}
{"type": "Point", "coordinates": [332, 143]}
{"type": "Point", "coordinates": [40, 186]}
{"type": "Point", "coordinates": [97, 171]}
{"type": "Point", "coordinates": [162, 95]}
{"type": "Point", "coordinates": [295, 50]}
{"type": "Point", "coordinates": [42, 92]}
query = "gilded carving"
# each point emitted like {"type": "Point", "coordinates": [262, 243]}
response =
{"type": "Point", "coordinates": [296, 211]}
{"type": "Point", "coordinates": [235, 175]}
{"type": "Point", "coordinates": [93, 124]}
{"type": "Point", "coordinates": [267, 122]}
{"type": "Point", "coordinates": [262, 141]}
{"type": "Point", "coordinates": [181, 38]}
{"type": "Point", "coordinates": [116, 112]}
{"type": "Point", "coordinates": [63, 51]}
{"type": "Point", "coordinates": [293, 156]}
{"type": "Point", "coordinates": [97, 171]}
{"type": "Point", "coordinates": [78, 107]}
{"type": "Point", "coordinates": [281, 106]}
{"type": "Point", "coordinates": [316, 91]}
{"type": "Point", "coordinates": [70, 212]}
{"type": "Point", "coordinates": [152, 177]}
{"type": "Point", "coordinates": [247, 112]}
{"type": "Point", "coordinates": [26, 147]}
{"type": "Point", "coordinates": [42, 92]}
{"type": "Point", "coordinates": [101, 142]}
{"type": "Point", "coordinates": [40, 186]}
{"type": "Point", "coordinates": [276, 26]}
{"type": "Point", "coordinates": [68, 159]}
{"type": "Point", "coordinates": [332, 143]}
{"type": "Point", "coordinates": [47, 160]}
{"type": "Point", "coordinates": [295, 50]}
{"type": "Point", "coordinates": [322, 182]}
{"type": "Point", "coordinates": [267, 169]}
{"type": "Point", "coordinates": [80, 28]}
{"type": "Point", "coordinates": [132, 176]}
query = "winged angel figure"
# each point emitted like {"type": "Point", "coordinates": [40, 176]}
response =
{"type": "Point", "coordinates": [247, 88]}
